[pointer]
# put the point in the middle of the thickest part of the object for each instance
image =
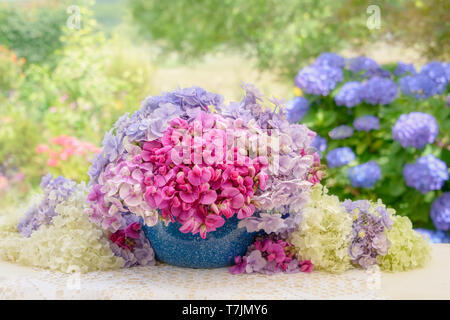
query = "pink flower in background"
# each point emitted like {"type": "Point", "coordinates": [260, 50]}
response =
{"type": "Point", "coordinates": [3, 182]}
{"type": "Point", "coordinates": [42, 148]}
{"type": "Point", "coordinates": [63, 148]}
{"type": "Point", "coordinates": [52, 162]}
{"type": "Point", "coordinates": [63, 98]}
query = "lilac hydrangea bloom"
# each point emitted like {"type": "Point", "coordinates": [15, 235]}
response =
{"type": "Point", "coordinates": [320, 144]}
{"type": "Point", "coordinates": [438, 236]}
{"type": "Point", "coordinates": [369, 239]}
{"type": "Point", "coordinates": [349, 94]}
{"type": "Point", "coordinates": [112, 147]}
{"type": "Point", "coordinates": [341, 132]}
{"type": "Point", "coordinates": [426, 174]}
{"type": "Point", "coordinates": [96, 168]}
{"type": "Point", "coordinates": [340, 157]}
{"type": "Point", "coordinates": [440, 212]}
{"type": "Point", "coordinates": [186, 98]}
{"type": "Point", "coordinates": [379, 91]}
{"type": "Point", "coordinates": [330, 59]}
{"type": "Point", "coordinates": [138, 127]}
{"type": "Point", "coordinates": [297, 109]}
{"type": "Point", "coordinates": [437, 73]}
{"type": "Point", "coordinates": [271, 223]}
{"type": "Point", "coordinates": [403, 68]}
{"type": "Point", "coordinates": [318, 80]}
{"type": "Point", "coordinates": [255, 262]}
{"type": "Point", "coordinates": [366, 66]}
{"type": "Point", "coordinates": [415, 129]}
{"type": "Point", "coordinates": [55, 191]}
{"type": "Point", "coordinates": [419, 86]}
{"type": "Point", "coordinates": [366, 123]}
{"type": "Point", "coordinates": [364, 175]}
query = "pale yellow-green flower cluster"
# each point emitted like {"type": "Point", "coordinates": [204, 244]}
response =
{"type": "Point", "coordinates": [69, 243]}
{"type": "Point", "coordinates": [324, 234]}
{"type": "Point", "coordinates": [408, 248]}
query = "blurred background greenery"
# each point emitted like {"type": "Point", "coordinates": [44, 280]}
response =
{"type": "Point", "coordinates": [75, 82]}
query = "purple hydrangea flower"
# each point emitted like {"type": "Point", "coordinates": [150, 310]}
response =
{"type": "Point", "coordinates": [415, 129]}
{"type": "Point", "coordinates": [366, 123]}
{"type": "Point", "coordinates": [112, 147]}
{"type": "Point", "coordinates": [440, 212]}
{"type": "Point", "coordinates": [364, 175]}
{"type": "Point", "coordinates": [320, 144]}
{"type": "Point", "coordinates": [349, 94]}
{"type": "Point", "coordinates": [403, 68]}
{"type": "Point", "coordinates": [379, 91]}
{"type": "Point", "coordinates": [330, 59]}
{"type": "Point", "coordinates": [418, 86]}
{"type": "Point", "coordinates": [341, 132]}
{"type": "Point", "coordinates": [186, 98]}
{"type": "Point", "coordinates": [340, 157]}
{"type": "Point", "coordinates": [318, 80]}
{"type": "Point", "coordinates": [368, 235]}
{"type": "Point", "coordinates": [297, 109]}
{"type": "Point", "coordinates": [426, 174]}
{"type": "Point", "coordinates": [55, 191]}
{"type": "Point", "coordinates": [255, 262]}
{"type": "Point", "coordinates": [367, 67]}
{"type": "Point", "coordinates": [436, 71]}
{"type": "Point", "coordinates": [282, 225]}
{"type": "Point", "coordinates": [96, 168]}
{"type": "Point", "coordinates": [438, 236]}
{"type": "Point", "coordinates": [138, 127]}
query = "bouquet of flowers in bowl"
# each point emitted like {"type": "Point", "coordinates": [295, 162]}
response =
{"type": "Point", "coordinates": [188, 159]}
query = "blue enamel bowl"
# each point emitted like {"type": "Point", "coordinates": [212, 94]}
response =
{"type": "Point", "coordinates": [186, 250]}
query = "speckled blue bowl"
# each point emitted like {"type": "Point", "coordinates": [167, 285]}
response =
{"type": "Point", "coordinates": [186, 250]}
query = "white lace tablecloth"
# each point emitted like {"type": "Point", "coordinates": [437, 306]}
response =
{"type": "Point", "coordinates": [167, 282]}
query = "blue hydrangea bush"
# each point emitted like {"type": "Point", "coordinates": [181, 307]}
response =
{"type": "Point", "coordinates": [384, 132]}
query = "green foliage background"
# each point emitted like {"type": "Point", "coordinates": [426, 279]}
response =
{"type": "Point", "coordinates": [80, 90]}
{"type": "Point", "coordinates": [285, 35]}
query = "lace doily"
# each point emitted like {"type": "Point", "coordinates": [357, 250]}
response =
{"type": "Point", "coordinates": [168, 282]}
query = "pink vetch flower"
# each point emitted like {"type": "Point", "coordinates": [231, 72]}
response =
{"type": "Point", "coordinates": [198, 176]}
{"type": "Point", "coordinates": [306, 266]}
{"type": "Point", "coordinates": [52, 162]}
{"type": "Point", "coordinates": [270, 254]}
{"type": "Point", "coordinates": [42, 148]}
{"type": "Point", "coordinates": [132, 230]}
{"type": "Point", "coordinates": [240, 265]}
{"type": "Point", "coordinates": [275, 252]}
